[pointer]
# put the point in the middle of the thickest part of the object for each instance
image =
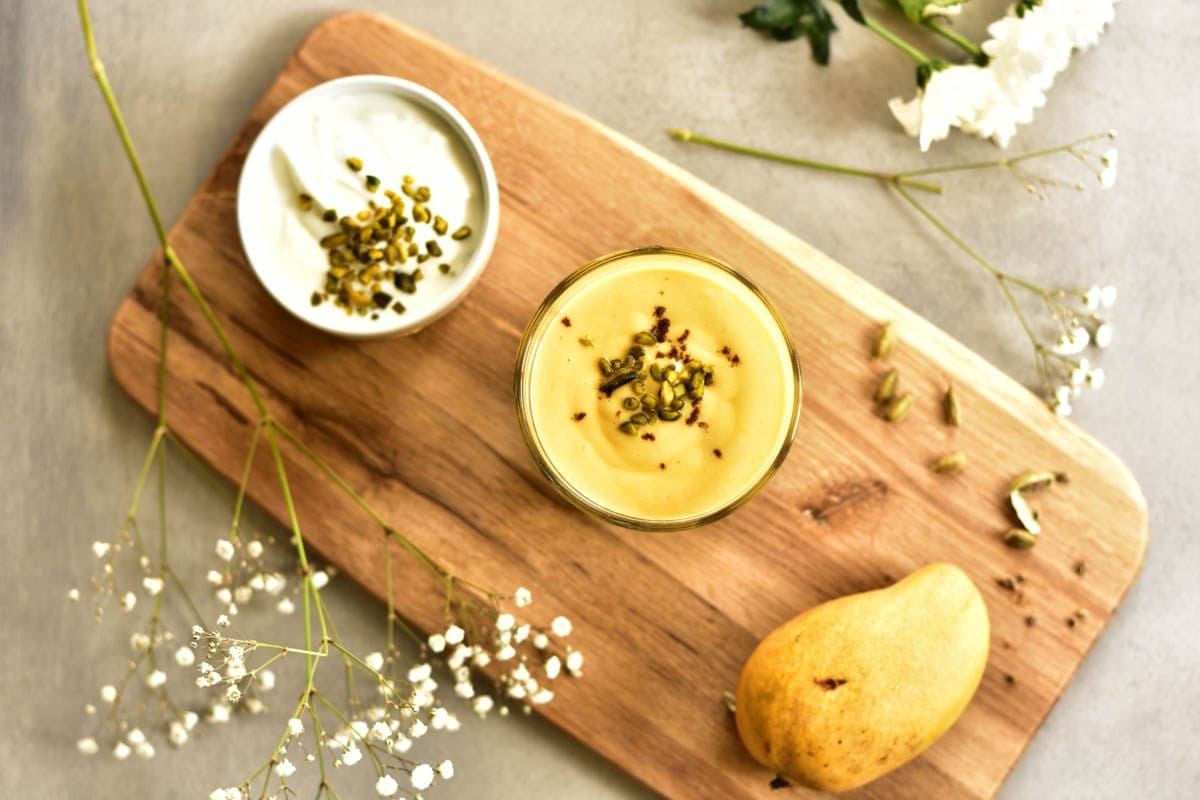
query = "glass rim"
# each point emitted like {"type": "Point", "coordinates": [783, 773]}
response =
{"type": "Point", "coordinates": [559, 481]}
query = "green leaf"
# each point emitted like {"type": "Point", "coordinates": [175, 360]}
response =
{"type": "Point", "coordinates": [854, 10]}
{"type": "Point", "coordinates": [915, 9]}
{"type": "Point", "coordinates": [787, 20]}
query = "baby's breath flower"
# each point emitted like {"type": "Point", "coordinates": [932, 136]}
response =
{"type": "Point", "coordinates": [108, 693]}
{"type": "Point", "coordinates": [152, 585]}
{"type": "Point", "coordinates": [454, 634]}
{"type": "Point", "coordinates": [128, 601]}
{"type": "Point", "coordinates": [352, 755]}
{"type": "Point", "coordinates": [139, 642]}
{"type": "Point", "coordinates": [505, 622]}
{"type": "Point", "coordinates": [522, 597]}
{"type": "Point", "coordinates": [1104, 335]}
{"type": "Point", "coordinates": [421, 777]}
{"type": "Point", "coordinates": [295, 727]}
{"type": "Point", "coordinates": [219, 712]}
{"type": "Point", "coordinates": [100, 549]}
{"type": "Point", "coordinates": [88, 746]}
{"type": "Point", "coordinates": [320, 579]}
{"type": "Point", "coordinates": [374, 660]}
{"type": "Point", "coordinates": [185, 657]}
{"type": "Point", "coordinates": [542, 696]}
{"type": "Point", "coordinates": [135, 737]}
{"type": "Point", "coordinates": [417, 729]}
{"type": "Point", "coordinates": [445, 770]}
{"type": "Point", "coordinates": [224, 549]}
{"type": "Point", "coordinates": [144, 750]}
{"type": "Point", "coordinates": [399, 744]}
{"type": "Point", "coordinates": [483, 704]}
{"type": "Point", "coordinates": [214, 577]}
{"type": "Point", "coordinates": [177, 733]}
{"type": "Point", "coordinates": [254, 549]}
{"type": "Point", "coordinates": [73, 595]}
{"type": "Point", "coordinates": [505, 653]}
{"type": "Point", "coordinates": [437, 643]}
{"type": "Point", "coordinates": [121, 751]}
{"type": "Point", "coordinates": [459, 656]}
{"type": "Point", "coordinates": [541, 641]}
{"type": "Point", "coordinates": [223, 621]}
{"type": "Point", "coordinates": [266, 680]}
{"type": "Point", "coordinates": [561, 626]}
{"type": "Point", "coordinates": [285, 606]}
{"type": "Point", "coordinates": [156, 679]}
{"type": "Point", "coordinates": [574, 662]}
{"type": "Point", "coordinates": [285, 769]}
{"type": "Point", "coordinates": [1108, 296]}
{"type": "Point", "coordinates": [386, 786]}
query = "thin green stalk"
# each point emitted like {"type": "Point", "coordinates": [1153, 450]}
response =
{"type": "Point", "coordinates": [235, 527]}
{"type": "Point", "coordinates": [895, 41]}
{"type": "Point", "coordinates": [298, 541]}
{"type": "Point", "coordinates": [966, 248]}
{"type": "Point", "coordinates": [1004, 162]}
{"type": "Point", "coordinates": [361, 502]}
{"type": "Point", "coordinates": [951, 35]}
{"type": "Point", "coordinates": [840, 169]}
{"type": "Point", "coordinates": [122, 131]}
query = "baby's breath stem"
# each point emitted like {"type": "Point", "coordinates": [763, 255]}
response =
{"type": "Point", "coordinates": [1005, 163]}
{"type": "Point", "coordinates": [143, 474]}
{"type": "Point", "coordinates": [320, 463]}
{"type": "Point", "coordinates": [370, 748]}
{"type": "Point", "coordinates": [824, 166]}
{"type": "Point", "coordinates": [235, 526]}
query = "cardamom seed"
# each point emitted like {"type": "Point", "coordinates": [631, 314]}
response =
{"type": "Point", "coordinates": [951, 462]}
{"type": "Point", "coordinates": [951, 408]}
{"type": "Point", "coordinates": [887, 386]}
{"type": "Point", "coordinates": [885, 341]}
{"type": "Point", "coordinates": [898, 408]}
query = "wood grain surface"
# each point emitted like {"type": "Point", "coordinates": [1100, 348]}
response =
{"type": "Point", "coordinates": [666, 621]}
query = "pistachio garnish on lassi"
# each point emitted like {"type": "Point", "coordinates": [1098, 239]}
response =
{"type": "Point", "coordinates": [669, 399]}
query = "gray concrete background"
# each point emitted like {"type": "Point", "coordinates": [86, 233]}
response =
{"type": "Point", "coordinates": [73, 236]}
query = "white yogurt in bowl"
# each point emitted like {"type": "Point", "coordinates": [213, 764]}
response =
{"type": "Point", "coordinates": [296, 187]}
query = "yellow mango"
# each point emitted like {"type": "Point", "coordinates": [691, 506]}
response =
{"type": "Point", "coordinates": [855, 687]}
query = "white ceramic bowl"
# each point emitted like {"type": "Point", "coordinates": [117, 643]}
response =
{"type": "Point", "coordinates": [258, 173]}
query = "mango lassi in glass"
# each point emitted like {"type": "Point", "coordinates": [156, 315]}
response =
{"type": "Point", "coordinates": [657, 388]}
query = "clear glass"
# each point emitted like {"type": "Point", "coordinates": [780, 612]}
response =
{"type": "Point", "coordinates": [522, 383]}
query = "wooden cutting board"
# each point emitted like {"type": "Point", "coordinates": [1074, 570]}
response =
{"type": "Point", "coordinates": [666, 621]}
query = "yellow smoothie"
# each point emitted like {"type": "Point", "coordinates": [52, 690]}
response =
{"type": "Point", "coordinates": [591, 393]}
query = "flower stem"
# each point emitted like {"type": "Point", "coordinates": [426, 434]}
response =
{"type": "Point", "coordinates": [895, 41]}
{"type": "Point", "coordinates": [946, 32]}
{"type": "Point", "coordinates": [841, 169]}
